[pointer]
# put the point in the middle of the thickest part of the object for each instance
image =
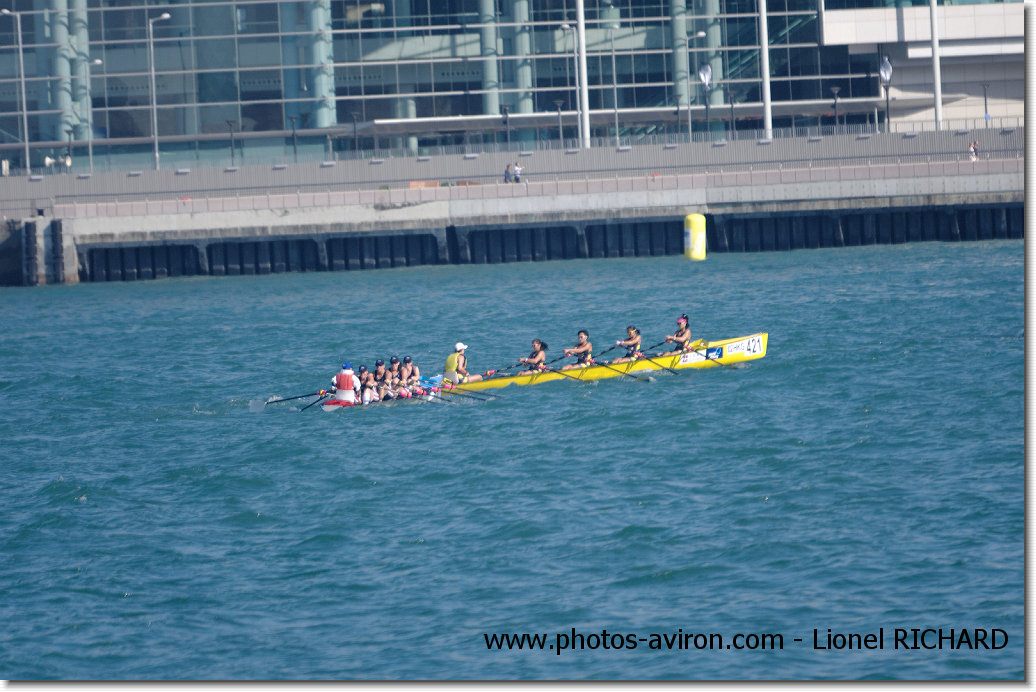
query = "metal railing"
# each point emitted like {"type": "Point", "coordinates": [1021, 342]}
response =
{"type": "Point", "coordinates": [268, 149]}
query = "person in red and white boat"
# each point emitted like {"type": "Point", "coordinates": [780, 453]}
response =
{"type": "Point", "coordinates": [346, 385]}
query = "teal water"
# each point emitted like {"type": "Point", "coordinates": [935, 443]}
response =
{"type": "Point", "coordinates": [867, 473]}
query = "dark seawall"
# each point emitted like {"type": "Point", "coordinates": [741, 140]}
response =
{"type": "Point", "coordinates": [518, 242]}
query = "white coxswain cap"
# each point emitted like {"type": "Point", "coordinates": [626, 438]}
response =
{"type": "Point", "coordinates": [460, 346]}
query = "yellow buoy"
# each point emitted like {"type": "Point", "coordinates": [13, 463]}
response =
{"type": "Point", "coordinates": [694, 236]}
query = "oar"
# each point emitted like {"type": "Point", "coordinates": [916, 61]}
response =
{"type": "Point", "coordinates": [300, 396]}
{"type": "Point", "coordinates": [662, 355]}
{"type": "Point", "coordinates": [452, 387]}
{"type": "Point", "coordinates": [429, 397]}
{"type": "Point", "coordinates": [509, 367]}
{"type": "Point", "coordinates": [605, 365]}
{"type": "Point", "coordinates": [314, 403]}
{"type": "Point", "coordinates": [562, 372]}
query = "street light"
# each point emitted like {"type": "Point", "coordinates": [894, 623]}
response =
{"type": "Point", "coordinates": [90, 110]}
{"type": "Point", "coordinates": [561, 133]}
{"type": "Point", "coordinates": [68, 151]}
{"type": "Point", "coordinates": [697, 35]}
{"type": "Point", "coordinates": [985, 101]}
{"type": "Point", "coordinates": [835, 90]}
{"type": "Point", "coordinates": [151, 72]}
{"type": "Point", "coordinates": [705, 75]}
{"type": "Point", "coordinates": [294, 138]}
{"type": "Point", "coordinates": [733, 129]}
{"type": "Point", "coordinates": [230, 126]}
{"type": "Point", "coordinates": [575, 61]}
{"type": "Point", "coordinates": [21, 73]}
{"type": "Point", "coordinates": [615, 82]}
{"type": "Point", "coordinates": [885, 74]}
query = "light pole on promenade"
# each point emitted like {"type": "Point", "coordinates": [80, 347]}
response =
{"type": "Point", "coordinates": [90, 110]}
{"type": "Point", "coordinates": [615, 82]}
{"type": "Point", "coordinates": [885, 74]}
{"type": "Point", "coordinates": [151, 73]}
{"type": "Point", "coordinates": [21, 73]}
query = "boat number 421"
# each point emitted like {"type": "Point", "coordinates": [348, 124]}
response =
{"type": "Point", "coordinates": [751, 346]}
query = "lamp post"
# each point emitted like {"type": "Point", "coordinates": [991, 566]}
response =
{"type": "Point", "coordinates": [615, 82]}
{"type": "Point", "coordinates": [230, 126]}
{"type": "Point", "coordinates": [885, 74]}
{"type": "Point", "coordinates": [68, 150]}
{"type": "Point", "coordinates": [90, 111]}
{"type": "Point", "coordinates": [705, 75]}
{"type": "Point", "coordinates": [151, 73]}
{"type": "Point", "coordinates": [985, 101]}
{"type": "Point", "coordinates": [507, 122]}
{"type": "Point", "coordinates": [575, 86]}
{"type": "Point", "coordinates": [294, 138]}
{"type": "Point", "coordinates": [21, 73]}
{"type": "Point", "coordinates": [835, 90]}
{"type": "Point", "coordinates": [733, 129]}
{"type": "Point", "coordinates": [561, 133]}
{"type": "Point", "coordinates": [697, 35]}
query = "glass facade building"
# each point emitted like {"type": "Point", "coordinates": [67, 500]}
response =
{"type": "Point", "coordinates": [113, 70]}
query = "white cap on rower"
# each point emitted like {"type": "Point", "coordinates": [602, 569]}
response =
{"type": "Point", "coordinates": [460, 346]}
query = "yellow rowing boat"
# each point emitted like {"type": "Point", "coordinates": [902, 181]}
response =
{"type": "Point", "coordinates": [710, 354]}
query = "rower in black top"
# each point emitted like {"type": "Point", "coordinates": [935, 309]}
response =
{"type": "Point", "coordinates": [583, 351]}
{"type": "Point", "coordinates": [535, 359]}
{"type": "Point", "coordinates": [632, 344]}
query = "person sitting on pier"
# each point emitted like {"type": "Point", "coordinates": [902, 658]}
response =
{"type": "Point", "coordinates": [632, 344]}
{"type": "Point", "coordinates": [535, 359]}
{"type": "Point", "coordinates": [583, 351]}
{"type": "Point", "coordinates": [455, 369]}
{"type": "Point", "coordinates": [346, 385]}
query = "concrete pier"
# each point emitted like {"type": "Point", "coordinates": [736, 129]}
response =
{"type": "Point", "coordinates": [626, 215]}
{"type": "Point", "coordinates": [507, 243]}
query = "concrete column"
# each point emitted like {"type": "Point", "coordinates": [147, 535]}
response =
{"type": "Point", "coordinates": [290, 82]}
{"type": "Point", "coordinates": [490, 67]}
{"type": "Point", "coordinates": [61, 95]}
{"type": "Point", "coordinates": [322, 72]}
{"type": "Point", "coordinates": [714, 40]}
{"type": "Point", "coordinates": [523, 49]}
{"type": "Point", "coordinates": [936, 67]}
{"type": "Point", "coordinates": [680, 58]}
{"type": "Point", "coordinates": [405, 107]}
{"type": "Point", "coordinates": [79, 30]}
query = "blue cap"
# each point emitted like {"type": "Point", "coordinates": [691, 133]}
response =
{"type": "Point", "coordinates": [346, 366]}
